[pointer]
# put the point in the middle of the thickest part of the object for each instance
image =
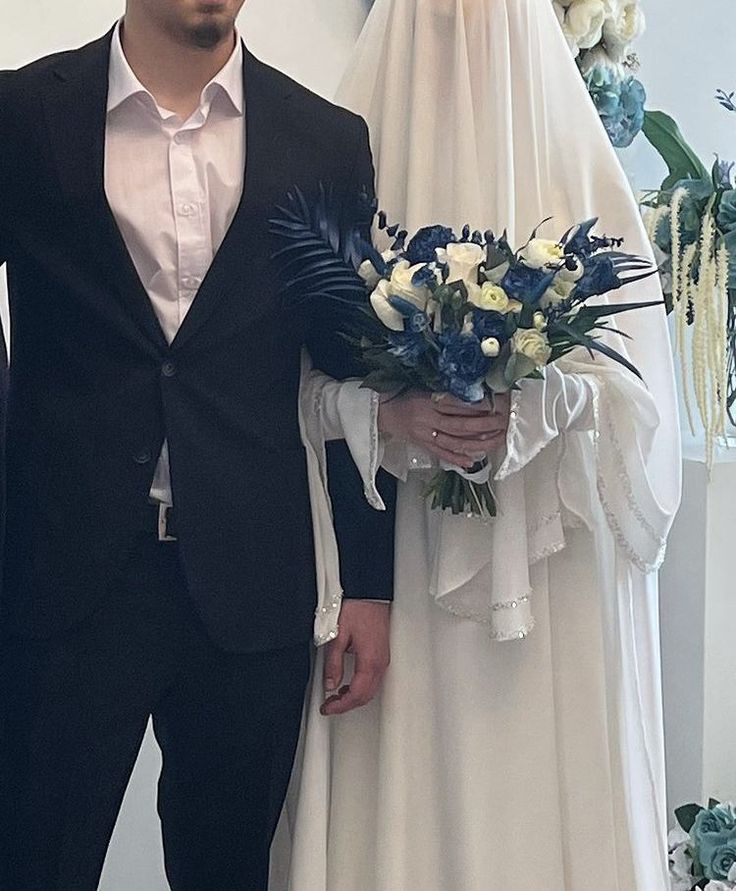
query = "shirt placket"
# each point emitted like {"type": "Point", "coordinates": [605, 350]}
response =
{"type": "Point", "coordinates": [191, 220]}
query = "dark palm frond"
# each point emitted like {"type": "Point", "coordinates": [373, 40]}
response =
{"type": "Point", "coordinates": [319, 250]}
{"type": "Point", "coordinates": [592, 344]}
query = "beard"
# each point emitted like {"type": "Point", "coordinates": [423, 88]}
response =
{"type": "Point", "coordinates": [209, 34]}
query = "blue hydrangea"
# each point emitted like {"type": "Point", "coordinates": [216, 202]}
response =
{"type": "Point", "coordinates": [463, 365]}
{"type": "Point", "coordinates": [620, 104]}
{"type": "Point", "coordinates": [488, 323]}
{"type": "Point", "coordinates": [421, 249]}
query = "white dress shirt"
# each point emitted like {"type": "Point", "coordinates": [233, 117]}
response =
{"type": "Point", "coordinates": [173, 187]}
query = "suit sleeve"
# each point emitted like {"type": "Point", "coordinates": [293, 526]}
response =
{"type": "Point", "coordinates": [365, 537]}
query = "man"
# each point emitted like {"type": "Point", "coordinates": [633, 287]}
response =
{"type": "Point", "coordinates": [158, 556]}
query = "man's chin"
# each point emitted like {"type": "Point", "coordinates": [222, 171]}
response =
{"type": "Point", "coordinates": [209, 31]}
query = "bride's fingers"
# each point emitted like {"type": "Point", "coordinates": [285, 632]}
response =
{"type": "Point", "coordinates": [469, 427]}
{"type": "Point", "coordinates": [451, 405]}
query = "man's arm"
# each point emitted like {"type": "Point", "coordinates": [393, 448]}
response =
{"type": "Point", "coordinates": [365, 537]}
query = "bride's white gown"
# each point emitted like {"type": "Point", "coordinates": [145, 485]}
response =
{"type": "Point", "coordinates": [535, 762]}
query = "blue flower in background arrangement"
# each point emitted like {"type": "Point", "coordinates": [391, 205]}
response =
{"type": "Point", "coordinates": [727, 212]}
{"type": "Point", "coordinates": [421, 249]}
{"type": "Point", "coordinates": [463, 365]}
{"type": "Point", "coordinates": [619, 102]}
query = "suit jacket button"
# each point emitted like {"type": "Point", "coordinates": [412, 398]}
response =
{"type": "Point", "coordinates": [142, 457]}
{"type": "Point", "coordinates": [168, 369]}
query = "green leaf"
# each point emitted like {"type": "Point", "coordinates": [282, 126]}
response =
{"type": "Point", "coordinates": [687, 814]}
{"type": "Point", "coordinates": [383, 382]}
{"type": "Point", "coordinates": [518, 367]}
{"type": "Point", "coordinates": [713, 802]}
{"type": "Point", "coordinates": [730, 242]}
{"type": "Point", "coordinates": [663, 133]}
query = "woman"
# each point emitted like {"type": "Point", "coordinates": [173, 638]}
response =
{"type": "Point", "coordinates": [531, 756]}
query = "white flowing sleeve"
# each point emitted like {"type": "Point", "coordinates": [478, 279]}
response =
{"type": "Point", "coordinates": [329, 409]}
{"type": "Point", "coordinates": [607, 421]}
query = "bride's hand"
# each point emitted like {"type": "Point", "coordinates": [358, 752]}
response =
{"type": "Point", "coordinates": [448, 428]}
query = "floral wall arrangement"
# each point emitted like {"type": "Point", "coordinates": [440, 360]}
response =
{"type": "Point", "coordinates": [600, 34]}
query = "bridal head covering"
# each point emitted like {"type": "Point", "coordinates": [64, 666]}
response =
{"type": "Point", "coordinates": [479, 115]}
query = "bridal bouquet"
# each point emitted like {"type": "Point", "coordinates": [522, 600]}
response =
{"type": "Point", "coordinates": [702, 849]}
{"type": "Point", "coordinates": [461, 314]}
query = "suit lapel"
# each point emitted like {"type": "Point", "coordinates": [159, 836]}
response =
{"type": "Point", "coordinates": [76, 111]}
{"type": "Point", "coordinates": [267, 164]}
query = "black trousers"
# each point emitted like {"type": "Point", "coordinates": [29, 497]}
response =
{"type": "Point", "coordinates": [73, 711]}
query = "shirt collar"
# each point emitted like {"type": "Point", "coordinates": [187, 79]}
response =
{"type": "Point", "coordinates": [123, 83]}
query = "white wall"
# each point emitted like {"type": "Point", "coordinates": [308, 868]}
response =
{"type": "Point", "coordinates": [686, 55]}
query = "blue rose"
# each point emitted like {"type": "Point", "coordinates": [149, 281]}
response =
{"type": "Point", "coordinates": [488, 323]}
{"type": "Point", "coordinates": [463, 365]}
{"type": "Point", "coordinates": [719, 861]}
{"type": "Point", "coordinates": [727, 212]}
{"type": "Point", "coordinates": [421, 249]}
{"type": "Point", "coordinates": [526, 284]}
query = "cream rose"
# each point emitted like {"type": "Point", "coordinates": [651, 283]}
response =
{"type": "Point", "coordinates": [463, 260]}
{"type": "Point", "coordinates": [390, 317]}
{"type": "Point", "coordinates": [532, 344]}
{"type": "Point", "coordinates": [402, 286]}
{"type": "Point", "coordinates": [584, 22]}
{"type": "Point", "coordinates": [490, 297]}
{"type": "Point", "coordinates": [622, 29]}
{"type": "Point", "coordinates": [542, 252]}
{"type": "Point", "coordinates": [367, 271]}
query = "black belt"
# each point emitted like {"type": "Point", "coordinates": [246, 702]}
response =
{"type": "Point", "coordinates": [161, 522]}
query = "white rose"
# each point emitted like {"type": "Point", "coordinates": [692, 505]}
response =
{"type": "Point", "coordinates": [732, 874]}
{"type": "Point", "coordinates": [368, 272]}
{"type": "Point", "coordinates": [559, 290]}
{"type": "Point", "coordinates": [570, 275]}
{"type": "Point", "coordinates": [489, 297]}
{"type": "Point", "coordinates": [541, 252]}
{"type": "Point", "coordinates": [490, 346]}
{"type": "Point", "coordinates": [401, 284]}
{"type": "Point", "coordinates": [463, 260]}
{"type": "Point", "coordinates": [717, 885]}
{"type": "Point", "coordinates": [390, 317]}
{"type": "Point", "coordinates": [622, 29]}
{"type": "Point", "coordinates": [584, 21]}
{"type": "Point", "coordinates": [533, 344]}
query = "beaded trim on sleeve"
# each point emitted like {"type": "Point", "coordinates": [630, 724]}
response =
{"type": "Point", "coordinates": [636, 511]}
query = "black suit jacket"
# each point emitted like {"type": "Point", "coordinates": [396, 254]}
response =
{"type": "Point", "coordinates": [94, 388]}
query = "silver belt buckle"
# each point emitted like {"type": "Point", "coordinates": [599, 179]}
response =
{"type": "Point", "coordinates": [163, 515]}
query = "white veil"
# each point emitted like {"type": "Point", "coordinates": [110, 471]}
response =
{"type": "Point", "coordinates": [478, 115]}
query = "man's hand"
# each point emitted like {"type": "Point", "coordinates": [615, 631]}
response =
{"type": "Point", "coordinates": [364, 632]}
{"type": "Point", "coordinates": [452, 430]}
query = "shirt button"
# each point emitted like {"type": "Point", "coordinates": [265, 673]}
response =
{"type": "Point", "coordinates": [186, 210]}
{"type": "Point", "coordinates": [168, 369]}
{"type": "Point", "coordinates": [142, 457]}
{"type": "Point", "coordinates": [191, 282]}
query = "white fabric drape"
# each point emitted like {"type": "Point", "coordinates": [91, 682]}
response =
{"type": "Point", "coordinates": [478, 114]}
